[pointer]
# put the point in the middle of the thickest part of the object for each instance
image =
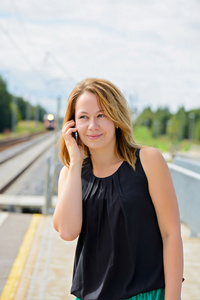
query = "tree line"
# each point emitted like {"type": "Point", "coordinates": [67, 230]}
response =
{"type": "Point", "coordinates": [178, 126]}
{"type": "Point", "coordinates": [13, 109]}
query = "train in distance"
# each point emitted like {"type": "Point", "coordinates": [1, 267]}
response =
{"type": "Point", "coordinates": [49, 121]}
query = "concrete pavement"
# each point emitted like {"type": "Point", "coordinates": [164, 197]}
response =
{"type": "Point", "coordinates": [47, 271]}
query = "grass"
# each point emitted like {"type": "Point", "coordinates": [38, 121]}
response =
{"type": "Point", "coordinates": [143, 136]}
{"type": "Point", "coordinates": [24, 128]}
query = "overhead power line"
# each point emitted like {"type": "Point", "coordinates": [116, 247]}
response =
{"type": "Point", "coordinates": [21, 22]}
{"type": "Point", "coordinates": [60, 66]}
{"type": "Point", "coordinates": [16, 46]}
{"type": "Point", "coordinates": [27, 36]}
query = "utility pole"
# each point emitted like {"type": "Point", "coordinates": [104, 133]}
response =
{"type": "Point", "coordinates": [14, 114]}
{"type": "Point", "coordinates": [36, 116]}
{"type": "Point", "coordinates": [28, 110]}
{"type": "Point", "coordinates": [58, 114]}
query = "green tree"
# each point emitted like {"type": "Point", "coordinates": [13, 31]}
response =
{"type": "Point", "coordinates": [193, 120]}
{"type": "Point", "coordinates": [5, 106]}
{"type": "Point", "coordinates": [146, 117]}
{"type": "Point", "coordinates": [197, 131]}
{"type": "Point", "coordinates": [41, 112]}
{"type": "Point", "coordinates": [21, 103]}
{"type": "Point", "coordinates": [178, 125]}
{"type": "Point", "coordinates": [183, 121]}
{"type": "Point", "coordinates": [181, 116]}
{"type": "Point", "coordinates": [173, 128]}
{"type": "Point", "coordinates": [161, 118]}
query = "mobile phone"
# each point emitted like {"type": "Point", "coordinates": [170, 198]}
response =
{"type": "Point", "coordinates": [75, 135]}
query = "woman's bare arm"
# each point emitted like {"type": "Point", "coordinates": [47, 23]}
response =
{"type": "Point", "coordinates": [67, 219]}
{"type": "Point", "coordinates": [164, 199]}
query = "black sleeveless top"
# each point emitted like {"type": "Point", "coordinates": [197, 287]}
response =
{"type": "Point", "coordinates": [119, 252]}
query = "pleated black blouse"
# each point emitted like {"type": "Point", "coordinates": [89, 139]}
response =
{"type": "Point", "coordinates": [119, 252]}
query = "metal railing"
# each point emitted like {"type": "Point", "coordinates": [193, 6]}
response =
{"type": "Point", "coordinates": [53, 167]}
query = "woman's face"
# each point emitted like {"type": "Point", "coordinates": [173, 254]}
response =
{"type": "Point", "coordinates": [96, 130]}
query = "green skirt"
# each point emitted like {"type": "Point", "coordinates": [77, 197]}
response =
{"type": "Point", "coordinates": [153, 295]}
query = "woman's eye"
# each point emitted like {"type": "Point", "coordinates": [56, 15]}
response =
{"type": "Point", "coordinates": [100, 116]}
{"type": "Point", "coordinates": [83, 117]}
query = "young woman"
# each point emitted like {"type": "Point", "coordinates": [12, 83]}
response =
{"type": "Point", "coordinates": [119, 199]}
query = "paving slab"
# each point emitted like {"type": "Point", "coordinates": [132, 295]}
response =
{"type": "Point", "coordinates": [48, 270]}
{"type": "Point", "coordinates": [191, 247]}
{"type": "Point", "coordinates": [12, 230]}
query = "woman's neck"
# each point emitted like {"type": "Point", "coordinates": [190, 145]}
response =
{"type": "Point", "coordinates": [103, 159]}
{"type": "Point", "coordinates": [104, 165]}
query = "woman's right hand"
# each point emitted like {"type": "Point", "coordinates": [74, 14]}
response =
{"type": "Point", "coordinates": [76, 152]}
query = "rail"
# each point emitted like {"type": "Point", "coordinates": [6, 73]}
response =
{"type": "Point", "coordinates": [53, 167]}
{"type": "Point", "coordinates": [52, 171]}
{"type": "Point", "coordinates": [11, 168]}
{"type": "Point", "coordinates": [10, 142]}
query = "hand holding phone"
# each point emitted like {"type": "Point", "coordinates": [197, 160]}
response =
{"type": "Point", "coordinates": [75, 135]}
{"type": "Point", "coordinates": [75, 149]}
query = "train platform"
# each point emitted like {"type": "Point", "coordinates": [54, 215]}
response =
{"type": "Point", "coordinates": [36, 264]}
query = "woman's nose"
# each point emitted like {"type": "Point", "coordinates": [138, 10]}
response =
{"type": "Point", "coordinates": [92, 124]}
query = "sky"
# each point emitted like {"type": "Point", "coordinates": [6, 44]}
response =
{"type": "Point", "coordinates": [150, 49]}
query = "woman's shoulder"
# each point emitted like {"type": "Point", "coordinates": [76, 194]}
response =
{"type": "Point", "coordinates": [152, 160]}
{"type": "Point", "coordinates": [150, 152]}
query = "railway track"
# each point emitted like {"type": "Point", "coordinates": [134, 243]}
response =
{"type": "Point", "coordinates": [21, 146]}
{"type": "Point", "coordinates": [14, 163]}
{"type": "Point", "coordinates": [10, 142]}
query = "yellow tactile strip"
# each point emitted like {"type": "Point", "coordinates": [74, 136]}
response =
{"type": "Point", "coordinates": [20, 261]}
{"type": "Point", "coordinates": [48, 271]}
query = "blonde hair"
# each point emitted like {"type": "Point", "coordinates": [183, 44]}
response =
{"type": "Point", "coordinates": [115, 105]}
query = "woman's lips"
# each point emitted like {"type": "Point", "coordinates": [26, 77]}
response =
{"type": "Point", "coordinates": [94, 136]}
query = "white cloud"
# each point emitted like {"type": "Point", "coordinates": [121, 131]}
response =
{"type": "Point", "coordinates": [148, 48]}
